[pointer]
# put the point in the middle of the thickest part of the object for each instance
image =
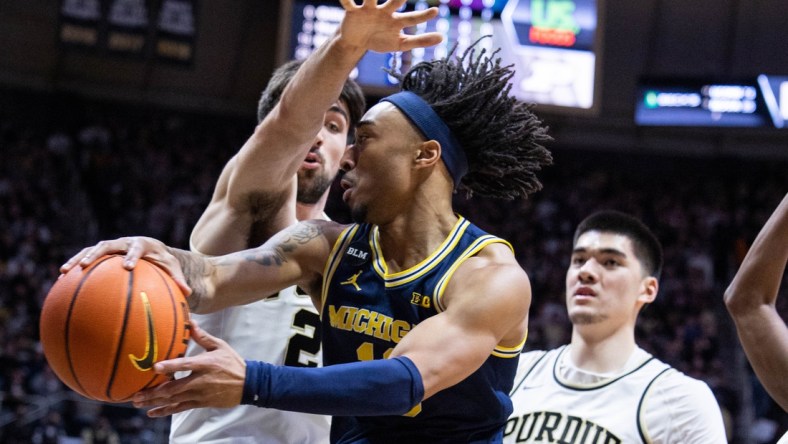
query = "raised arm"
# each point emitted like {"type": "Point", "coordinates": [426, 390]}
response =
{"type": "Point", "coordinates": [257, 186]}
{"type": "Point", "coordinates": [751, 300]}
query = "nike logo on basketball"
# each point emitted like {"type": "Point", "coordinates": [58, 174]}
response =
{"type": "Point", "coordinates": [145, 363]}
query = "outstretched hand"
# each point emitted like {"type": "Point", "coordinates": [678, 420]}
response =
{"type": "Point", "coordinates": [134, 249]}
{"type": "Point", "coordinates": [380, 27]}
{"type": "Point", "coordinates": [216, 379]}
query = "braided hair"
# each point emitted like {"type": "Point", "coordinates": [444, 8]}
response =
{"type": "Point", "coordinates": [501, 137]}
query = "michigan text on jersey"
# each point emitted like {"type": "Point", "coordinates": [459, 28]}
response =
{"type": "Point", "coordinates": [368, 322]}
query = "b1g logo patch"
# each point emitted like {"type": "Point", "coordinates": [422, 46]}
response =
{"type": "Point", "coordinates": [422, 300]}
{"type": "Point", "coordinates": [357, 253]}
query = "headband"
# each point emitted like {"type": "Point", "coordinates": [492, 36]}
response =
{"type": "Point", "coordinates": [421, 114]}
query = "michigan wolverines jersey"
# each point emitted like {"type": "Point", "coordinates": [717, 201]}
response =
{"type": "Point", "coordinates": [647, 402]}
{"type": "Point", "coordinates": [282, 329]}
{"type": "Point", "coordinates": [367, 311]}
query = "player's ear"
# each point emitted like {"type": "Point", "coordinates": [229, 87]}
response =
{"type": "Point", "coordinates": [649, 290]}
{"type": "Point", "coordinates": [428, 154]}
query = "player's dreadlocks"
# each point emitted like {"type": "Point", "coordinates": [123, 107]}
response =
{"type": "Point", "coordinates": [500, 136]}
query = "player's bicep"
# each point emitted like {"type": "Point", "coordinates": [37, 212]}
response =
{"type": "Point", "coordinates": [220, 230]}
{"type": "Point", "coordinates": [224, 224]}
{"type": "Point", "coordinates": [450, 346]}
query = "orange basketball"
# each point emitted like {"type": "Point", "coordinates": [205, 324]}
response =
{"type": "Point", "coordinates": [103, 327]}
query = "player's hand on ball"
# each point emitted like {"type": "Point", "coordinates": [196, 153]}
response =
{"type": "Point", "coordinates": [216, 380]}
{"type": "Point", "coordinates": [134, 248]}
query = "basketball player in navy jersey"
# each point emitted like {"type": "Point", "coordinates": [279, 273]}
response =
{"type": "Point", "coordinates": [254, 199]}
{"type": "Point", "coordinates": [602, 387]}
{"type": "Point", "coordinates": [423, 313]}
{"type": "Point", "coordinates": [751, 300]}
{"type": "Point", "coordinates": [281, 175]}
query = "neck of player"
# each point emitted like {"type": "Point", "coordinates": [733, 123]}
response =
{"type": "Point", "coordinates": [601, 352]}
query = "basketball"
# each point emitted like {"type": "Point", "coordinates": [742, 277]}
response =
{"type": "Point", "coordinates": [103, 327]}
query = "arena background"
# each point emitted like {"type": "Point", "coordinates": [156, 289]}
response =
{"type": "Point", "coordinates": [95, 144]}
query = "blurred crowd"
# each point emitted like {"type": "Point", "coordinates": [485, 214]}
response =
{"type": "Point", "coordinates": [73, 172]}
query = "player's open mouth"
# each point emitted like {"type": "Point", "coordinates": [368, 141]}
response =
{"type": "Point", "coordinates": [312, 160]}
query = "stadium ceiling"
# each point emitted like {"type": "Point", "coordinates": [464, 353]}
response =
{"type": "Point", "coordinates": [237, 40]}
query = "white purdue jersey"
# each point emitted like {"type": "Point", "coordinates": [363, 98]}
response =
{"type": "Point", "coordinates": [281, 330]}
{"type": "Point", "coordinates": [647, 402]}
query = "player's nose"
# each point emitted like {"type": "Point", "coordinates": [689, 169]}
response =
{"type": "Point", "coordinates": [587, 272]}
{"type": "Point", "coordinates": [348, 161]}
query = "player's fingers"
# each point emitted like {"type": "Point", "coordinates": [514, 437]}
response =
{"type": "Point", "coordinates": [413, 18]}
{"type": "Point", "coordinates": [176, 272]}
{"type": "Point", "coordinates": [165, 261]}
{"type": "Point", "coordinates": [173, 408]}
{"type": "Point", "coordinates": [158, 412]}
{"type": "Point", "coordinates": [135, 249]}
{"type": "Point", "coordinates": [172, 268]}
{"type": "Point", "coordinates": [390, 5]}
{"type": "Point", "coordinates": [205, 339]}
{"type": "Point", "coordinates": [167, 392]}
{"type": "Point", "coordinates": [103, 248]}
{"type": "Point", "coordinates": [420, 41]}
{"type": "Point", "coordinates": [176, 365]}
{"type": "Point", "coordinates": [71, 263]}
{"type": "Point", "coordinates": [348, 4]}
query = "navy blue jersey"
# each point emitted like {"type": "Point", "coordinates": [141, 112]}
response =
{"type": "Point", "coordinates": [367, 311]}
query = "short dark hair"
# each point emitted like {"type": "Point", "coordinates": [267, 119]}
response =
{"type": "Point", "coordinates": [500, 136]}
{"type": "Point", "coordinates": [646, 246]}
{"type": "Point", "coordinates": [351, 94]}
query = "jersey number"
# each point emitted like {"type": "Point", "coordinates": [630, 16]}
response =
{"type": "Point", "coordinates": [303, 342]}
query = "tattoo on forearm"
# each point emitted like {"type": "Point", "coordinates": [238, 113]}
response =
{"type": "Point", "coordinates": [276, 255]}
{"type": "Point", "coordinates": [195, 269]}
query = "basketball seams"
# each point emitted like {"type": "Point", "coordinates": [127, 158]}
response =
{"type": "Point", "coordinates": [126, 314]}
{"type": "Point", "coordinates": [71, 305]}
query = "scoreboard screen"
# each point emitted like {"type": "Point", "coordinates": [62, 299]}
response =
{"type": "Point", "coordinates": [554, 45]}
{"type": "Point", "coordinates": [756, 103]}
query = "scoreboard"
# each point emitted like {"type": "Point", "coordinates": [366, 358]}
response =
{"type": "Point", "coordinates": [758, 103]}
{"type": "Point", "coordinates": [554, 45]}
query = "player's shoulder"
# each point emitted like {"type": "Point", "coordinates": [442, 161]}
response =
{"type": "Point", "coordinates": [680, 408]}
{"type": "Point", "coordinates": [528, 359]}
{"type": "Point", "coordinates": [533, 364]}
{"type": "Point", "coordinates": [491, 280]}
{"type": "Point", "coordinates": [672, 386]}
{"type": "Point", "coordinates": [539, 360]}
{"type": "Point", "coordinates": [496, 259]}
{"type": "Point", "coordinates": [312, 228]}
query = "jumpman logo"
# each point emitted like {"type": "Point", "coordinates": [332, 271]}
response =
{"type": "Point", "coordinates": [352, 281]}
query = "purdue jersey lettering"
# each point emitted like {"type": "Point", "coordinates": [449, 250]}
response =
{"type": "Point", "coordinates": [550, 408]}
{"type": "Point", "coordinates": [556, 427]}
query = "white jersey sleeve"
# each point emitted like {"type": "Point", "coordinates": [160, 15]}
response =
{"type": "Point", "coordinates": [682, 410]}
